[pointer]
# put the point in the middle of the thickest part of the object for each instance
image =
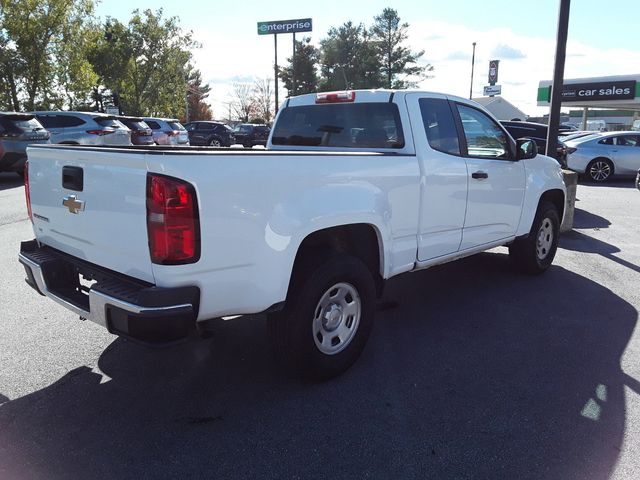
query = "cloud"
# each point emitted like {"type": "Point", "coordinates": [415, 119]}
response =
{"type": "Point", "coordinates": [458, 55]}
{"type": "Point", "coordinates": [508, 53]}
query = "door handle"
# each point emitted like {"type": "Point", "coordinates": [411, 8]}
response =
{"type": "Point", "coordinates": [479, 175]}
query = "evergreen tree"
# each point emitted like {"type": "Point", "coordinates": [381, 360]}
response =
{"type": "Point", "coordinates": [399, 66]}
{"type": "Point", "coordinates": [306, 69]}
{"type": "Point", "coordinates": [349, 59]}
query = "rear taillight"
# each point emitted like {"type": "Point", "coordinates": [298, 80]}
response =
{"type": "Point", "coordinates": [172, 133]}
{"type": "Point", "coordinates": [336, 97]}
{"type": "Point", "coordinates": [172, 221]}
{"type": "Point", "coordinates": [27, 194]}
{"type": "Point", "coordinates": [100, 132]}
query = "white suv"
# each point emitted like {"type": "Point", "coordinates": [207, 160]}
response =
{"type": "Point", "coordinates": [84, 128]}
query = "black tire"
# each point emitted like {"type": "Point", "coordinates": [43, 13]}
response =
{"type": "Point", "coordinates": [215, 142]}
{"type": "Point", "coordinates": [599, 170]}
{"type": "Point", "coordinates": [535, 253]}
{"type": "Point", "coordinates": [292, 330]}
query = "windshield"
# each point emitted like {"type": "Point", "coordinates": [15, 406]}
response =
{"type": "Point", "coordinates": [359, 125]}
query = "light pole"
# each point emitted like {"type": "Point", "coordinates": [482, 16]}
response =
{"type": "Point", "coordinates": [473, 61]}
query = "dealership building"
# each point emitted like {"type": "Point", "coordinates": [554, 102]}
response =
{"type": "Point", "coordinates": [613, 101]}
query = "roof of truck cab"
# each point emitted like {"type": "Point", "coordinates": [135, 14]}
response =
{"type": "Point", "coordinates": [363, 96]}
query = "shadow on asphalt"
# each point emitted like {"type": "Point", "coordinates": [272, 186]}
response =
{"type": "Point", "coordinates": [10, 180]}
{"type": "Point", "coordinates": [579, 242]}
{"type": "Point", "coordinates": [478, 372]}
{"type": "Point", "coordinates": [583, 220]}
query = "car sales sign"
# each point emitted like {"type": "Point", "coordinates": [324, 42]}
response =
{"type": "Point", "coordinates": [284, 26]}
{"type": "Point", "coordinates": [577, 92]}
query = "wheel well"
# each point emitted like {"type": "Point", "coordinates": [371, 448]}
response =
{"type": "Point", "coordinates": [359, 240]}
{"type": "Point", "coordinates": [556, 197]}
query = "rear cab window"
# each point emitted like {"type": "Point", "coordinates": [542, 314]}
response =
{"type": "Point", "coordinates": [353, 125]}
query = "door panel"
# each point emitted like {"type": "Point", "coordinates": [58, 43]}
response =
{"type": "Point", "coordinates": [443, 197]}
{"type": "Point", "coordinates": [496, 182]}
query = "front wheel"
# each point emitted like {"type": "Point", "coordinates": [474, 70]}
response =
{"type": "Point", "coordinates": [327, 318]}
{"type": "Point", "coordinates": [535, 253]}
{"type": "Point", "coordinates": [215, 143]}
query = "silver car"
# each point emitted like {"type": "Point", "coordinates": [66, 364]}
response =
{"type": "Point", "coordinates": [84, 128]}
{"type": "Point", "coordinates": [168, 131]}
{"type": "Point", "coordinates": [600, 156]}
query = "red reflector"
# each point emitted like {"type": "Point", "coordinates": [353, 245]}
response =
{"type": "Point", "coordinates": [336, 97]}
{"type": "Point", "coordinates": [172, 221]}
{"type": "Point", "coordinates": [27, 194]}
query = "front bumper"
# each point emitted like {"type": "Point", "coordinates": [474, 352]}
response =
{"type": "Point", "coordinates": [125, 306]}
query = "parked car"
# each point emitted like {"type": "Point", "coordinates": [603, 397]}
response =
{"type": "Point", "coordinates": [601, 156]}
{"type": "Point", "coordinates": [575, 135]}
{"type": "Point", "coordinates": [84, 128]}
{"type": "Point", "coordinates": [17, 130]}
{"type": "Point", "coordinates": [538, 133]}
{"type": "Point", "coordinates": [211, 133]}
{"type": "Point", "coordinates": [249, 134]}
{"type": "Point", "coordinates": [141, 134]}
{"type": "Point", "coordinates": [167, 131]}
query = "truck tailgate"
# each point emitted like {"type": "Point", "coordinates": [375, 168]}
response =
{"type": "Point", "coordinates": [96, 211]}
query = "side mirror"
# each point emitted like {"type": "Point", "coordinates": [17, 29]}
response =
{"type": "Point", "coordinates": [525, 148]}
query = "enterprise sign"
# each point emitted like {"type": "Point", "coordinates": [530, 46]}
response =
{"type": "Point", "coordinates": [578, 92]}
{"type": "Point", "coordinates": [284, 26]}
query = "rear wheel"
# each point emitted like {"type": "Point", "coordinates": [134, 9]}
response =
{"type": "Point", "coordinates": [327, 318]}
{"type": "Point", "coordinates": [535, 253]}
{"type": "Point", "coordinates": [599, 170]}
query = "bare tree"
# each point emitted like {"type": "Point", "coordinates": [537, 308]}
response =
{"type": "Point", "coordinates": [242, 102]}
{"type": "Point", "coordinates": [262, 99]}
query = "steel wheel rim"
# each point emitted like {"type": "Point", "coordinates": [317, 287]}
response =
{"type": "Point", "coordinates": [600, 170]}
{"type": "Point", "coordinates": [215, 143]}
{"type": "Point", "coordinates": [544, 240]}
{"type": "Point", "coordinates": [336, 318]}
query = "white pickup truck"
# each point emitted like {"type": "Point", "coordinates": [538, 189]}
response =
{"type": "Point", "coordinates": [353, 188]}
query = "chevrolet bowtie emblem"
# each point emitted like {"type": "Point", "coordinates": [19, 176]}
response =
{"type": "Point", "coordinates": [73, 204]}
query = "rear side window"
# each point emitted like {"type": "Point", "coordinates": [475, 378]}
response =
{"type": "Point", "coordinates": [47, 121]}
{"type": "Point", "coordinates": [70, 121]}
{"type": "Point", "coordinates": [485, 139]}
{"type": "Point", "coordinates": [439, 125]}
{"type": "Point", "coordinates": [153, 124]}
{"type": "Point", "coordinates": [354, 125]}
{"type": "Point", "coordinates": [206, 126]}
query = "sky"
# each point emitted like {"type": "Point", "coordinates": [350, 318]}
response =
{"type": "Point", "coordinates": [521, 34]}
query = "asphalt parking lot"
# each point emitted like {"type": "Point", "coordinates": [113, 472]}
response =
{"type": "Point", "coordinates": [472, 371]}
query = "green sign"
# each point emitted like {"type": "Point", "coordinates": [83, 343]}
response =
{"type": "Point", "coordinates": [284, 26]}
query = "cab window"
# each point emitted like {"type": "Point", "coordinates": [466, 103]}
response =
{"type": "Point", "coordinates": [485, 139]}
{"type": "Point", "coordinates": [439, 125]}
